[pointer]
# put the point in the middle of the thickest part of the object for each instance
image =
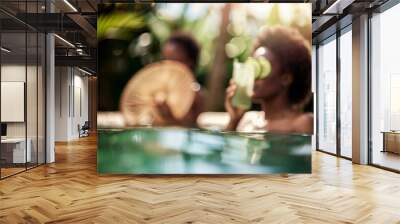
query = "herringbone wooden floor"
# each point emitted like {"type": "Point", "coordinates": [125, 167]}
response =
{"type": "Point", "coordinates": [70, 191]}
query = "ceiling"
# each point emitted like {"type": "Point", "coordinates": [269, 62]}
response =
{"type": "Point", "coordinates": [76, 25]}
{"type": "Point", "coordinates": [75, 21]}
{"type": "Point", "coordinates": [329, 15]}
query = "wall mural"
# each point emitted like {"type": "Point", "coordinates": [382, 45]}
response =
{"type": "Point", "coordinates": [216, 88]}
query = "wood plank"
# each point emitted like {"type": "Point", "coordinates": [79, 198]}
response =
{"type": "Point", "coordinates": [70, 191]}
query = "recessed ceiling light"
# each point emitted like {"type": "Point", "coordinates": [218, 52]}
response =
{"type": "Point", "coordinates": [70, 5]}
{"type": "Point", "coordinates": [84, 71]}
{"type": "Point", "coordinates": [5, 50]}
{"type": "Point", "coordinates": [337, 7]}
{"type": "Point", "coordinates": [64, 40]}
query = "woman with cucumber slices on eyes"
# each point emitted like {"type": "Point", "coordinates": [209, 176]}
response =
{"type": "Point", "coordinates": [277, 76]}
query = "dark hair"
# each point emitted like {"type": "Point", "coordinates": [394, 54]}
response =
{"type": "Point", "coordinates": [188, 44]}
{"type": "Point", "coordinates": [294, 54]}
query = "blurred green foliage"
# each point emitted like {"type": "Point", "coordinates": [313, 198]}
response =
{"type": "Point", "coordinates": [118, 25]}
{"type": "Point", "coordinates": [131, 35]}
{"type": "Point", "coordinates": [119, 30]}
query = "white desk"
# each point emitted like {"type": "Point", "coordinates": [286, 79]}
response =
{"type": "Point", "coordinates": [18, 149]}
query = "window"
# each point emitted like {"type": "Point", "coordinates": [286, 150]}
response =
{"type": "Point", "coordinates": [346, 93]}
{"type": "Point", "coordinates": [385, 89]}
{"type": "Point", "coordinates": [22, 77]}
{"type": "Point", "coordinates": [327, 95]}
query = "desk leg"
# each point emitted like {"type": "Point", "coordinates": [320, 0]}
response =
{"type": "Point", "coordinates": [384, 142]}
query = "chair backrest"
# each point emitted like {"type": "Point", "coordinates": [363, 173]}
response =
{"type": "Point", "coordinates": [86, 125]}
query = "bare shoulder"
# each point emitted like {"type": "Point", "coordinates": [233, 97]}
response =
{"type": "Point", "coordinates": [305, 117]}
{"type": "Point", "coordinates": [304, 123]}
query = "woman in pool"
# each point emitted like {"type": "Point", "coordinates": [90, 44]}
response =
{"type": "Point", "coordinates": [283, 93]}
{"type": "Point", "coordinates": [182, 47]}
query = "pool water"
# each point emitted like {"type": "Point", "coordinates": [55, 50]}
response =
{"type": "Point", "coordinates": [190, 151]}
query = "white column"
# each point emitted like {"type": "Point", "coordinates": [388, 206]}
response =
{"type": "Point", "coordinates": [50, 98]}
{"type": "Point", "coordinates": [360, 90]}
{"type": "Point", "coordinates": [50, 92]}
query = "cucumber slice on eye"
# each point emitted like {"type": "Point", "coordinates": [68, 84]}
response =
{"type": "Point", "coordinates": [265, 67]}
{"type": "Point", "coordinates": [256, 66]}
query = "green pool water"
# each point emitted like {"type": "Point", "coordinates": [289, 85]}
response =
{"type": "Point", "coordinates": [186, 151]}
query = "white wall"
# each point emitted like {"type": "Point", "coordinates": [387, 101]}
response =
{"type": "Point", "coordinates": [33, 126]}
{"type": "Point", "coordinates": [80, 110]}
{"type": "Point", "coordinates": [62, 81]}
{"type": "Point", "coordinates": [12, 73]}
{"type": "Point", "coordinates": [71, 94]}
